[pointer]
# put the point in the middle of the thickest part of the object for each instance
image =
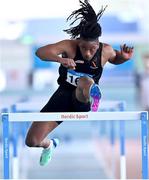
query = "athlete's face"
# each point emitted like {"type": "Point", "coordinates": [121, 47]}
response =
{"type": "Point", "coordinates": [88, 48]}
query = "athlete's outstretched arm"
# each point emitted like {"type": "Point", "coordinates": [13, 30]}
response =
{"type": "Point", "coordinates": [123, 55]}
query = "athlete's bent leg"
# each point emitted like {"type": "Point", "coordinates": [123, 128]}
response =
{"type": "Point", "coordinates": [88, 91]}
{"type": "Point", "coordinates": [83, 89]}
{"type": "Point", "coordinates": [36, 137]}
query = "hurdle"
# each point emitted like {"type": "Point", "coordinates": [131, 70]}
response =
{"type": "Point", "coordinates": [105, 105]}
{"type": "Point", "coordinates": [74, 116]}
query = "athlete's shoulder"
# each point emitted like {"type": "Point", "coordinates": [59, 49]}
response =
{"type": "Point", "coordinates": [68, 46]}
{"type": "Point", "coordinates": [108, 49]}
{"type": "Point", "coordinates": [107, 53]}
{"type": "Point", "coordinates": [107, 46]}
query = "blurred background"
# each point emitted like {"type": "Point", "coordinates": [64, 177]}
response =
{"type": "Point", "coordinates": [85, 151]}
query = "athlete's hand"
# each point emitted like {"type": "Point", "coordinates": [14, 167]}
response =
{"type": "Point", "coordinates": [68, 63]}
{"type": "Point", "coordinates": [126, 51]}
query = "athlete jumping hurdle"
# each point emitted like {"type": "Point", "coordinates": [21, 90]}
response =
{"type": "Point", "coordinates": [81, 64]}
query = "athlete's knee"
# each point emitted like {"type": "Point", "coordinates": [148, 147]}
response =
{"type": "Point", "coordinates": [85, 82]}
{"type": "Point", "coordinates": [82, 90]}
{"type": "Point", "coordinates": [31, 141]}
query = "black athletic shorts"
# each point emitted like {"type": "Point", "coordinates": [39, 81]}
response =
{"type": "Point", "coordinates": [64, 100]}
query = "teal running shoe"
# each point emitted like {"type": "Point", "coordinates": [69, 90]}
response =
{"type": "Point", "coordinates": [48, 152]}
{"type": "Point", "coordinates": [95, 96]}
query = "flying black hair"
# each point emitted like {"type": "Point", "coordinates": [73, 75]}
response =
{"type": "Point", "coordinates": [88, 28]}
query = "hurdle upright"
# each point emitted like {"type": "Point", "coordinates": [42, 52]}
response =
{"type": "Point", "coordinates": [83, 116]}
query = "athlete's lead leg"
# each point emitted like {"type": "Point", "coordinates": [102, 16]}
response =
{"type": "Point", "coordinates": [88, 91]}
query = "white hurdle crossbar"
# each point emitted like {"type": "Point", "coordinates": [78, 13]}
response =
{"type": "Point", "coordinates": [70, 116]}
{"type": "Point", "coordinates": [74, 116]}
